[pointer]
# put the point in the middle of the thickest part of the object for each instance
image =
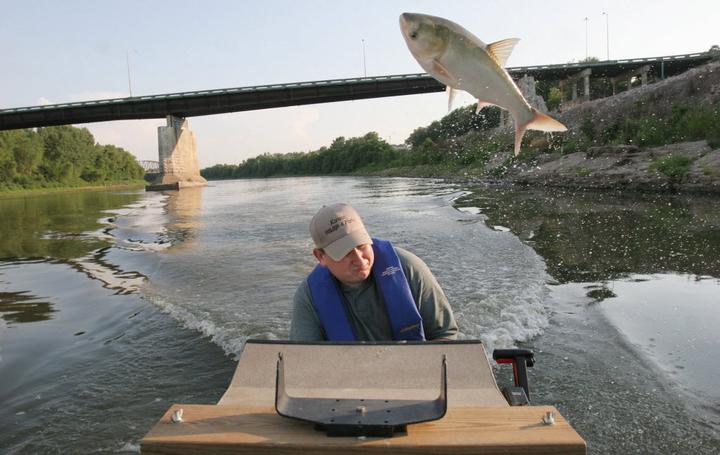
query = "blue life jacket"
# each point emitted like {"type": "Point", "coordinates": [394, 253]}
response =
{"type": "Point", "coordinates": [402, 312]}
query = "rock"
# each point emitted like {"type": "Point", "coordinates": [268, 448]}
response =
{"type": "Point", "coordinates": [623, 167]}
{"type": "Point", "coordinates": [601, 150]}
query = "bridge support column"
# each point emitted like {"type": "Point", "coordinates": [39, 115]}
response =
{"type": "Point", "coordinates": [583, 75]}
{"type": "Point", "coordinates": [177, 152]}
{"type": "Point", "coordinates": [628, 76]}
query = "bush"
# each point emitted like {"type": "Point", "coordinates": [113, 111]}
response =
{"type": "Point", "coordinates": [683, 124]}
{"type": "Point", "coordinates": [675, 167]}
{"type": "Point", "coordinates": [587, 128]}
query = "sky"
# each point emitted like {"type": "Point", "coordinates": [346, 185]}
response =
{"type": "Point", "coordinates": [76, 50]}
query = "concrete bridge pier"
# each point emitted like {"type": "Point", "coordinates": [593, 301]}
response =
{"type": "Point", "coordinates": [628, 77]}
{"type": "Point", "coordinates": [583, 75]}
{"type": "Point", "coordinates": [179, 167]}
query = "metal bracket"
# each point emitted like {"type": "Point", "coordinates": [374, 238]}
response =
{"type": "Point", "coordinates": [359, 416]}
{"type": "Point", "coordinates": [521, 360]}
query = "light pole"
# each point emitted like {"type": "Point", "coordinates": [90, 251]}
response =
{"type": "Point", "coordinates": [607, 33]}
{"type": "Point", "coordinates": [127, 62]}
{"type": "Point", "coordinates": [364, 66]}
{"type": "Point", "coordinates": [586, 38]}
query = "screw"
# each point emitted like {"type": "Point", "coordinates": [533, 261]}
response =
{"type": "Point", "coordinates": [177, 416]}
{"type": "Point", "coordinates": [549, 418]}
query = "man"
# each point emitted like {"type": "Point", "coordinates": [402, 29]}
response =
{"type": "Point", "coordinates": [365, 289]}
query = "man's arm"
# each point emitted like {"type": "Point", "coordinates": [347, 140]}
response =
{"type": "Point", "coordinates": [438, 319]}
{"type": "Point", "coordinates": [305, 324]}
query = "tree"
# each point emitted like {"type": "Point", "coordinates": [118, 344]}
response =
{"type": "Point", "coordinates": [63, 154]}
{"type": "Point", "coordinates": [27, 150]}
{"type": "Point", "coordinates": [66, 152]}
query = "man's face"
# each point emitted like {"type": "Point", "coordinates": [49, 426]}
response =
{"type": "Point", "coordinates": [354, 268]}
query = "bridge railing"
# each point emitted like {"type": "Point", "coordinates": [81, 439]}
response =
{"type": "Point", "coordinates": [220, 91]}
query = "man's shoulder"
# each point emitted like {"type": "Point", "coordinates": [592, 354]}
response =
{"type": "Point", "coordinates": [416, 270]}
{"type": "Point", "coordinates": [302, 292]}
{"type": "Point", "coordinates": [408, 258]}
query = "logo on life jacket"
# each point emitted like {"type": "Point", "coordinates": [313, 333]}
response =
{"type": "Point", "coordinates": [390, 271]}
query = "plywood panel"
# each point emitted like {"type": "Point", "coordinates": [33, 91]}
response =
{"type": "Point", "coordinates": [209, 429]}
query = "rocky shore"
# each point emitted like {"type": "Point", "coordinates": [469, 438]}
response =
{"type": "Point", "coordinates": [623, 167]}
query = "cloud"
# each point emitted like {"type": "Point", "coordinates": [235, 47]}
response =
{"type": "Point", "coordinates": [138, 137]}
{"type": "Point", "coordinates": [302, 118]}
{"type": "Point", "coordinates": [42, 101]}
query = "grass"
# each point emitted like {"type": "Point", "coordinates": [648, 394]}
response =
{"type": "Point", "coordinates": [675, 167]}
{"type": "Point", "coordinates": [14, 192]}
{"type": "Point", "coordinates": [710, 171]}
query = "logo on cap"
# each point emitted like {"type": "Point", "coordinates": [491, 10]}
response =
{"type": "Point", "coordinates": [337, 223]}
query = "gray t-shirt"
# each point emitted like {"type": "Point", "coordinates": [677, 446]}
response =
{"type": "Point", "coordinates": [366, 306]}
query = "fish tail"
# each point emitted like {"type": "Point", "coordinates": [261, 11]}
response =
{"type": "Point", "coordinates": [539, 122]}
{"type": "Point", "coordinates": [451, 96]}
{"type": "Point", "coordinates": [543, 122]}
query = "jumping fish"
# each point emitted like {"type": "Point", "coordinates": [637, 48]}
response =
{"type": "Point", "coordinates": [458, 59]}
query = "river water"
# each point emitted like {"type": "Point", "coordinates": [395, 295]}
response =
{"type": "Point", "coordinates": [114, 305]}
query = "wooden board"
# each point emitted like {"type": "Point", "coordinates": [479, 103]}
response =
{"type": "Point", "coordinates": [215, 429]}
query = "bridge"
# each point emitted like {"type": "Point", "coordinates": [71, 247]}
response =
{"type": "Point", "coordinates": [220, 101]}
{"type": "Point", "coordinates": [150, 167]}
{"type": "Point", "coordinates": [176, 107]}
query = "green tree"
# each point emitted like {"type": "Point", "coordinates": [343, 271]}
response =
{"type": "Point", "coordinates": [7, 161]}
{"type": "Point", "coordinates": [67, 150]}
{"type": "Point", "coordinates": [61, 155]}
{"type": "Point", "coordinates": [27, 149]}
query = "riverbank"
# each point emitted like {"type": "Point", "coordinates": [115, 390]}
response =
{"type": "Point", "coordinates": [684, 167]}
{"type": "Point", "coordinates": [688, 167]}
{"type": "Point", "coordinates": [71, 189]}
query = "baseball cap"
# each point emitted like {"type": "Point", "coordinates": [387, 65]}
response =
{"type": "Point", "coordinates": [337, 229]}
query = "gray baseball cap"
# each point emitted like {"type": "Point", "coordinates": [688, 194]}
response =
{"type": "Point", "coordinates": [337, 229]}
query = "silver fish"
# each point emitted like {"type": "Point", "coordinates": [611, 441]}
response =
{"type": "Point", "coordinates": [458, 59]}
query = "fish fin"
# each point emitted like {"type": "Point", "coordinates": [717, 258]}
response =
{"type": "Point", "coordinates": [519, 133]}
{"type": "Point", "coordinates": [501, 50]}
{"type": "Point", "coordinates": [481, 104]}
{"type": "Point", "coordinates": [451, 96]}
{"type": "Point", "coordinates": [543, 122]}
{"type": "Point", "coordinates": [437, 67]}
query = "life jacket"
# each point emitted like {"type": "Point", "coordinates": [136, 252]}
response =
{"type": "Point", "coordinates": [402, 312]}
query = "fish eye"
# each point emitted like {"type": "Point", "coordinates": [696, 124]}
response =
{"type": "Point", "coordinates": [413, 35]}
